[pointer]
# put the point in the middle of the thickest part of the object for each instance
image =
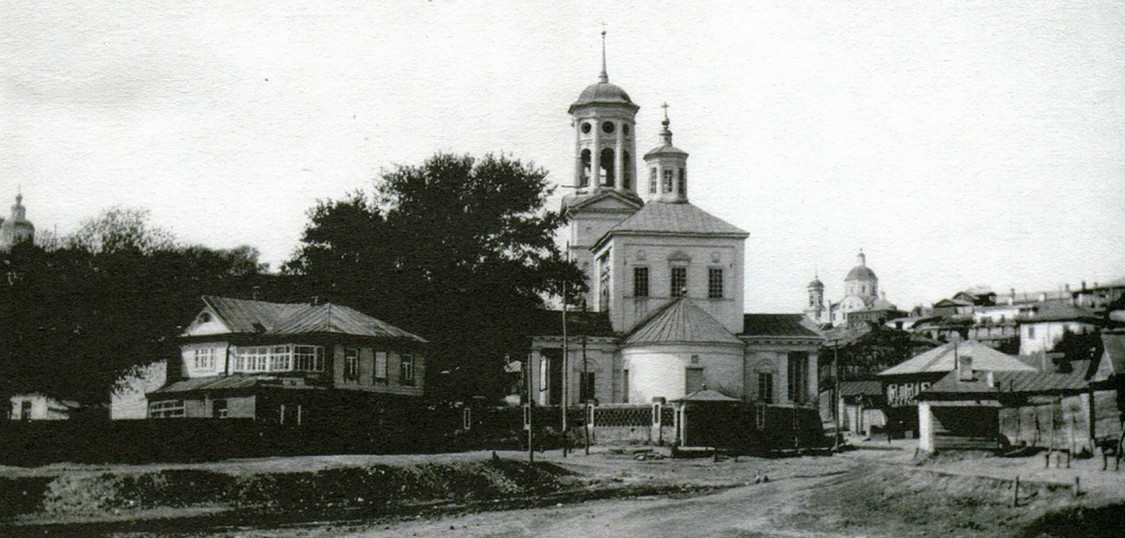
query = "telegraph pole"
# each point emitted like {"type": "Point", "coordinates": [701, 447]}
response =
{"type": "Point", "coordinates": [586, 390]}
{"type": "Point", "coordinates": [565, 361]}
{"type": "Point", "coordinates": [836, 393]}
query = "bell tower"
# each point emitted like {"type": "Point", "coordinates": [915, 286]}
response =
{"type": "Point", "coordinates": [667, 168]}
{"type": "Point", "coordinates": [604, 137]}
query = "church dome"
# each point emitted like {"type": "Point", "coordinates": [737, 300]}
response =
{"type": "Point", "coordinates": [861, 272]}
{"type": "Point", "coordinates": [603, 93]}
{"type": "Point", "coordinates": [816, 284]}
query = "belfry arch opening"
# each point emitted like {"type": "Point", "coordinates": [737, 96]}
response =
{"type": "Point", "coordinates": [607, 164]}
{"type": "Point", "coordinates": [584, 179]}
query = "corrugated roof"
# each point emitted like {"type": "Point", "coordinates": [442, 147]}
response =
{"type": "Point", "coordinates": [788, 325]}
{"type": "Point", "coordinates": [942, 358]}
{"type": "Point", "coordinates": [1013, 382]}
{"type": "Point", "coordinates": [681, 321]}
{"type": "Point", "coordinates": [670, 218]}
{"type": "Point", "coordinates": [861, 388]}
{"type": "Point", "coordinates": [261, 317]}
{"type": "Point", "coordinates": [331, 318]}
{"type": "Point", "coordinates": [235, 381]}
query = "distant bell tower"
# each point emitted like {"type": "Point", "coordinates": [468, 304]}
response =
{"type": "Point", "coordinates": [604, 147]}
{"type": "Point", "coordinates": [667, 168]}
{"type": "Point", "coordinates": [17, 229]}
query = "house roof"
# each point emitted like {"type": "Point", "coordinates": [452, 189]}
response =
{"type": "Point", "coordinates": [706, 395]}
{"type": "Point", "coordinates": [260, 317]}
{"type": "Point", "coordinates": [1012, 382]}
{"type": "Point", "coordinates": [786, 325]}
{"type": "Point", "coordinates": [1058, 311]}
{"type": "Point", "coordinates": [681, 321]}
{"type": "Point", "coordinates": [670, 218]}
{"type": "Point", "coordinates": [550, 323]}
{"type": "Point", "coordinates": [1114, 344]}
{"type": "Point", "coordinates": [234, 381]}
{"type": "Point", "coordinates": [942, 359]}
{"type": "Point", "coordinates": [861, 388]}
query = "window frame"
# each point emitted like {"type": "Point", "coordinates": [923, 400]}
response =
{"type": "Point", "coordinates": [167, 409]}
{"type": "Point", "coordinates": [715, 286]}
{"type": "Point", "coordinates": [406, 369]}
{"type": "Point", "coordinates": [641, 276]}
{"type": "Point", "coordinates": [381, 358]}
{"type": "Point", "coordinates": [678, 272]}
{"type": "Point", "coordinates": [351, 365]}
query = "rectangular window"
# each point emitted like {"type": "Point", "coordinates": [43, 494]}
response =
{"type": "Point", "coordinates": [281, 358]}
{"type": "Point", "coordinates": [603, 283]}
{"type": "Point", "coordinates": [625, 386]}
{"type": "Point", "coordinates": [715, 283]}
{"type": "Point", "coordinates": [683, 182]}
{"type": "Point", "coordinates": [381, 366]}
{"type": "Point", "coordinates": [308, 358]}
{"type": "Point", "coordinates": [652, 182]}
{"type": "Point", "coordinates": [406, 367]}
{"type": "Point", "coordinates": [1031, 331]}
{"type": "Point", "coordinates": [679, 282]}
{"type": "Point", "coordinates": [765, 387]}
{"type": "Point", "coordinates": [252, 359]}
{"type": "Point", "coordinates": [586, 386]}
{"type": "Point", "coordinates": [640, 282]}
{"type": "Point", "coordinates": [667, 181]}
{"type": "Point", "coordinates": [798, 373]}
{"type": "Point", "coordinates": [25, 410]}
{"type": "Point", "coordinates": [166, 409]}
{"type": "Point", "coordinates": [351, 364]}
{"type": "Point", "coordinates": [205, 358]}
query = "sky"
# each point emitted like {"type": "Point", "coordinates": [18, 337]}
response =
{"type": "Point", "coordinates": [956, 143]}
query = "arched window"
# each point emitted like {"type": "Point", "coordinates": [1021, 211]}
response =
{"type": "Point", "coordinates": [652, 181]}
{"type": "Point", "coordinates": [584, 181]}
{"type": "Point", "coordinates": [627, 175]}
{"type": "Point", "coordinates": [607, 167]}
{"type": "Point", "coordinates": [683, 182]}
{"type": "Point", "coordinates": [765, 381]}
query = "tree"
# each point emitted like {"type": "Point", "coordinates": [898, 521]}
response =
{"type": "Point", "coordinates": [103, 301]}
{"type": "Point", "coordinates": [458, 250]}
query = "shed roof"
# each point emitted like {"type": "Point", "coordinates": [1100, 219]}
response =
{"type": "Point", "coordinates": [706, 395]}
{"type": "Point", "coordinates": [861, 388]}
{"type": "Point", "coordinates": [1114, 343]}
{"type": "Point", "coordinates": [234, 381]}
{"type": "Point", "coordinates": [1034, 382]}
{"type": "Point", "coordinates": [943, 358]}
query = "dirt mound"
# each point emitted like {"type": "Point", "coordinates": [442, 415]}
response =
{"type": "Point", "coordinates": [364, 489]}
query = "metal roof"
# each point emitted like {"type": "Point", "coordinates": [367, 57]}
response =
{"type": "Point", "coordinates": [672, 218]}
{"type": "Point", "coordinates": [786, 325]}
{"type": "Point", "coordinates": [861, 388]}
{"type": "Point", "coordinates": [943, 358]}
{"type": "Point", "coordinates": [681, 321]}
{"type": "Point", "coordinates": [234, 381]}
{"type": "Point", "coordinates": [1115, 351]}
{"type": "Point", "coordinates": [260, 317]}
{"type": "Point", "coordinates": [1012, 382]}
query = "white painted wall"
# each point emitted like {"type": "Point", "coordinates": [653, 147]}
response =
{"type": "Point", "coordinates": [925, 427]}
{"type": "Point", "coordinates": [1042, 336]}
{"type": "Point", "coordinates": [659, 370]}
{"type": "Point", "coordinates": [127, 401]}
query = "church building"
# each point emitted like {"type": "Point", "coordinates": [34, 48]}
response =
{"type": "Point", "coordinates": [862, 302]}
{"type": "Point", "coordinates": [663, 316]}
{"type": "Point", "coordinates": [16, 229]}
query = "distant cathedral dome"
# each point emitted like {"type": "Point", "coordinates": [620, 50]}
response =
{"type": "Point", "coordinates": [861, 271]}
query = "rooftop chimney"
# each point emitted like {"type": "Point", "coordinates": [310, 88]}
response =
{"type": "Point", "coordinates": [964, 368]}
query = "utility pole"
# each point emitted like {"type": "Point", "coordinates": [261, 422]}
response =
{"type": "Point", "coordinates": [586, 389]}
{"type": "Point", "coordinates": [836, 393]}
{"type": "Point", "coordinates": [565, 361]}
{"type": "Point", "coordinates": [530, 412]}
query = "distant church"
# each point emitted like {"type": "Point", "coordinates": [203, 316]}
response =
{"type": "Point", "coordinates": [862, 302]}
{"type": "Point", "coordinates": [664, 312]}
{"type": "Point", "coordinates": [16, 229]}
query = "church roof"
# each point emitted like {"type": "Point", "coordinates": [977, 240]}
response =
{"type": "Point", "coordinates": [680, 322]}
{"type": "Point", "coordinates": [664, 149]}
{"type": "Point", "coordinates": [860, 272]}
{"type": "Point", "coordinates": [576, 201]}
{"type": "Point", "coordinates": [663, 218]}
{"type": "Point", "coordinates": [603, 93]}
{"type": "Point", "coordinates": [942, 358]}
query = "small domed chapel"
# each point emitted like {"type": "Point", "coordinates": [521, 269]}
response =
{"type": "Point", "coordinates": [663, 317]}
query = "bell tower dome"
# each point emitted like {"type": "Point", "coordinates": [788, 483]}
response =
{"type": "Point", "coordinates": [604, 129]}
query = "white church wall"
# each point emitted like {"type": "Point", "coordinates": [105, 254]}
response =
{"type": "Point", "coordinates": [661, 370]}
{"type": "Point", "coordinates": [655, 253]}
